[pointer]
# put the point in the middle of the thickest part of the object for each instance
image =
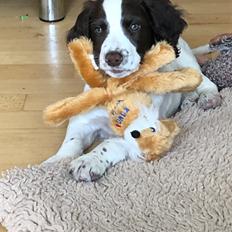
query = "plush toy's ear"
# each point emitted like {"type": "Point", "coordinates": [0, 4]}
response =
{"type": "Point", "coordinates": [171, 126]}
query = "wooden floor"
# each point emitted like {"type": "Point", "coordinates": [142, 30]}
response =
{"type": "Point", "coordinates": [35, 70]}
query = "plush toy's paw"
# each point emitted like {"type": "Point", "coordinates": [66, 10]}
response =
{"type": "Point", "coordinates": [57, 113]}
{"type": "Point", "coordinates": [165, 47]}
{"type": "Point", "coordinates": [194, 78]}
{"type": "Point", "coordinates": [87, 168]}
{"type": "Point", "coordinates": [80, 45]}
{"type": "Point", "coordinates": [159, 55]}
{"type": "Point", "coordinates": [161, 47]}
{"type": "Point", "coordinates": [209, 100]}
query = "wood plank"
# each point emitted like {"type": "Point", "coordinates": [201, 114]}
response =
{"type": "Point", "coordinates": [31, 7]}
{"type": "Point", "coordinates": [37, 43]}
{"type": "Point", "coordinates": [22, 120]}
{"type": "Point", "coordinates": [39, 79]}
{"type": "Point", "coordinates": [2, 229]}
{"type": "Point", "coordinates": [200, 34]}
{"type": "Point", "coordinates": [23, 147]}
{"type": "Point", "coordinates": [12, 102]}
{"type": "Point", "coordinates": [25, 30]}
{"type": "Point", "coordinates": [206, 12]}
{"type": "Point", "coordinates": [193, 19]}
{"type": "Point", "coordinates": [206, 7]}
{"type": "Point", "coordinates": [36, 57]}
{"type": "Point", "coordinates": [49, 72]}
{"type": "Point", "coordinates": [40, 86]}
{"type": "Point", "coordinates": [37, 102]}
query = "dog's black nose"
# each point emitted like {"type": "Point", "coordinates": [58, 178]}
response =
{"type": "Point", "coordinates": [114, 59]}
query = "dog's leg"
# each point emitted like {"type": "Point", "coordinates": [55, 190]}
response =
{"type": "Point", "coordinates": [81, 133]}
{"type": "Point", "coordinates": [78, 137]}
{"type": "Point", "coordinates": [93, 165]}
{"type": "Point", "coordinates": [207, 91]}
{"type": "Point", "coordinates": [209, 95]}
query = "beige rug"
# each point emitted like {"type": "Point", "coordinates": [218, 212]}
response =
{"type": "Point", "coordinates": [190, 189]}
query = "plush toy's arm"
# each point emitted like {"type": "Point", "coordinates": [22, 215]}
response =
{"type": "Point", "coordinates": [185, 80]}
{"type": "Point", "coordinates": [155, 58]}
{"type": "Point", "coordinates": [158, 56]}
{"type": "Point", "coordinates": [80, 49]}
{"type": "Point", "coordinates": [60, 111]}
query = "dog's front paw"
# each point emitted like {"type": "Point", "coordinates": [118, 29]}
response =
{"type": "Point", "coordinates": [189, 100]}
{"type": "Point", "coordinates": [87, 168]}
{"type": "Point", "coordinates": [209, 100]}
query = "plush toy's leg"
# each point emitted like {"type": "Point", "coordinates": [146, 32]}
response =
{"type": "Point", "coordinates": [160, 83]}
{"type": "Point", "coordinates": [81, 133]}
{"type": "Point", "coordinates": [59, 112]}
{"type": "Point", "coordinates": [79, 52]}
{"type": "Point", "coordinates": [93, 165]}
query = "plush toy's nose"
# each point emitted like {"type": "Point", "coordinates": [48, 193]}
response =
{"type": "Point", "coordinates": [114, 58]}
{"type": "Point", "coordinates": [135, 134]}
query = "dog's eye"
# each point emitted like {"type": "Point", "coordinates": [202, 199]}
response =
{"type": "Point", "coordinates": [98, 30]}
{"type": "Point", "coordinates": [135, 27]}
{"type": "Point", "coordinates": [152, 129]}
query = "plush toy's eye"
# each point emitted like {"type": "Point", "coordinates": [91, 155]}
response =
{"type": "Point", "coordinates": [152, 129]}
{"type": "Point", "coordinates": [135, 27]}
{"type": "Point", "coordinates": [135, 134]}
{"type": "Point", "coordinates": [98, 29]}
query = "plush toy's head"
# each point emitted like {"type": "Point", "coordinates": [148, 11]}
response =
{"type": "Point", "coordinates": [154, 143]}
{"type": "Point", "coordinates": [149, 136]}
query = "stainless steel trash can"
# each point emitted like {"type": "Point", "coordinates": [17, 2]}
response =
{"type": "Point", "coordinates": [51, 10]}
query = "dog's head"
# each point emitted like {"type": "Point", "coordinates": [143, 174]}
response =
{"type": "Point", "coordinates": [123, 30]}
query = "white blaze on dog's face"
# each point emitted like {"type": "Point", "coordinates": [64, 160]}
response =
{"type": "Point", "coordinates": [123, 30]}
{"type": "Point", "coordinates": [118, 56]}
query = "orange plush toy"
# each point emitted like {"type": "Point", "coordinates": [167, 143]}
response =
{"type": "Point", "coordinates": [126, 99]}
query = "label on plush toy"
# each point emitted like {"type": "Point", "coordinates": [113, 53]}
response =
{"type": "Point", "coordinates": [121, 117]}
{"type": "Point", "coordinates": [122, 113]}
{"type": "Point", "coordinates": [119, 113]}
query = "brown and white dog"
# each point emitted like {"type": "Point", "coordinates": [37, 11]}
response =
{"type": "Point", "coordinates": [121, 32]}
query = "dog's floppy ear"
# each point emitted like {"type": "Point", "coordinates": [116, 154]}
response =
{"type": "Point", "coordinates": [81, 26]}
{"type": "Point", "coordinates": [166, 20]}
